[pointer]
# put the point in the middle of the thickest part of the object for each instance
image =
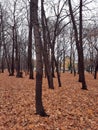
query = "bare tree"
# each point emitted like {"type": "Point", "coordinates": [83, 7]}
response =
{"type": "Point", "coordinates": [79, 43]}
{"type": "Point", "coordinates": [39, 63]}
{"type": "Point", "coordinates": [30, 66]}
{"type": "Point", "coordinates": [46, 48]}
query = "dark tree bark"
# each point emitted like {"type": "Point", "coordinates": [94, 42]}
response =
{"type": "Point", "coordinates": [30, 65]}
{"type": "Point", "coordinates": [71, 65]}
{"type": "Point", "coordinates": [13, 38]}
{"type": "Point", "coordinates": [0, 45]}
{"type": "Point", "coordinates": [53, 64]}
{"type": "Point", "coordinates": [6, 57]}
{"type": "Point", "coordinates": [2, 63]}
{"type": "Point", "coordinates": [2, 42]}
{"type": "Point", "coordinates": [58, 73]}
{"type": "Point", "coordinates": [47, 63]}
{"type": "Point", "coordinates": [96, 64]}
{"type": "Point", "coordinates": [64, 61]}
{"type": "Point", "coordinates": [0, 33]}
{"type": "Point", "coordinates": [81, 63]}
{"type": "Point", "coordinates": [39, 63]}
{"type": "Point", "coordinates": [79, 44]}
{"type": "Point", "coordinates": [17, 47]}
{"type": "Point", "coordinates": [74, 64]}
{"type": "Point", "coordinates": [95, 73]}
{"type": "Point", "coordinates": [13, 47]}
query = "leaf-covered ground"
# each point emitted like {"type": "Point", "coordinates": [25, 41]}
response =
{"type": "Point", "coordinates": [69, 107]}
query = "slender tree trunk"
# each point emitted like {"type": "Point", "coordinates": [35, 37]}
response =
{"type": "Point", "coordinates": [6, 58]}
{"type": "Point", "coordinates": [71, 65]}
{"type": "Point", "coordinates": [39, 63]}
{"type": "Point", "coordinates": [2, 64]}
{"type": "Point", "coordinates": [0, 46]}
{"type": "Point", "coordinates": [52, 62]}
{"type": "Point", "coordinates": [95, 73]}
{"type": "Point", "coordinates": [64, 61]}
{"type": "Point", "coordinates": [84, 86]}
{"type": "Point", "coordinates": [81, 71]}
{"type": "Point", "coordinates": [60, 65]}
{"type": "Point", "coordinates": [30, 65]}
{"type": "Point", "coordinates": [3, 43]}
{"type": "Point", "coordinates": [79, 44]}
{"type": "Point", "coordinates": [17, 57]}
{"type": "Point", "coordinates": [47, 63]}
{"type": "Point", "coordinates": [13, 46]}
{"type": "Point", "coordinates": [50, 46]}
{"type": "Point", "coordinates": [58, 73]}
{"type": "Point", "coordinates": [1, 22]}
{"type": "Point", "coordinates": [18, 71]}
{"type": "Point", "coordinates": [74, 64]}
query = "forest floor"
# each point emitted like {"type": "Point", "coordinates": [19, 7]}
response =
{"type": "Point", "coordinates": [69, 107]}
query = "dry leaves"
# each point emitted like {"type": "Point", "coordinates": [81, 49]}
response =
{"type": "Point", "coordinates": [69, 107]}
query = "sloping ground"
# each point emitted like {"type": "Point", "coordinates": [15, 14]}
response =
{"type": "Point", "coordinates": [69, 107]}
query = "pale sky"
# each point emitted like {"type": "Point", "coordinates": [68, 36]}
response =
{"type": "Point", "coordinates": [87, 14]}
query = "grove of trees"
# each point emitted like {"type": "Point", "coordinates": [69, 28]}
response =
{"type": "Point", "coordinates": [36, 37]}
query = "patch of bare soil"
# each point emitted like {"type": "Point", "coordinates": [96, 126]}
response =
{"type": "Point", "coordinates": [69, 107]}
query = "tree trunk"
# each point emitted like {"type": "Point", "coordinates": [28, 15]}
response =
{"type": "Point", "coordinates": [2, 64]}
{"type": "Point", "coordinates": [5, 54]}
{"type": "Point", "coordinates": [6, 57]}
{"type": "Point", "coordinates": [95, 73]}
{"type": "Point", "coordinates": [30, 65]}
{"type": "Point", "coordinates": [17, 47]}
{"type": "Point", "coordinates": [79, 44]}
{"type": "Point", "coordinates": [58, 73]}
{"type": "Point", "coordinates": [19, 72]}
{"type": "Point", "coordinates": [71, 65]}
{"type": "Point", "coordinates": [64, 61]}
{"type": "Point", "coordinates": [81, 70]}
{"type": "Point", "coordinates": [39, 63]}
{"type": "Point", "coordinates": [74, 64]}
{"type": "Point", "coordinates": [52, 62]}
{"type": "Point", "coordinates": [47, 63]}
{"type": "Point", "coordinates": [13, 46]}
{"type": "Point", "coordinates": [81, 56]}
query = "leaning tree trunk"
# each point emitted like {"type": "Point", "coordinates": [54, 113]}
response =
{"type": "Point", "coordinates": [79, 44]}
{"type": "Point", "coordinates": [39, 64]}
{"type": "Point", "coordinates": [47, 63]}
